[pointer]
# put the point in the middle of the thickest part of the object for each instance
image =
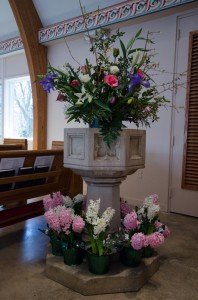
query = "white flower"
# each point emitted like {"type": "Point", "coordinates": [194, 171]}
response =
{"type": "Point", "coordinates": [67, 201]}
{"type": "Point", "coordinates": [152, 211]}
{"type": "Point", "coordinates": [85, 78]}
{"type": "Point", "coordinates": [108, 214]}
{"type": "Point", "coordinates": [100, 226]}
{"type": "Point", "coordinates": [114, 69]}
{"type": "Point", "coordinates": [78, 198]}
{"type": "Point", "coordinates": [92, 211]}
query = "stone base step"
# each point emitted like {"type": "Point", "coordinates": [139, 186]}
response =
{"type": "Point", "coordinates": [119, 279]}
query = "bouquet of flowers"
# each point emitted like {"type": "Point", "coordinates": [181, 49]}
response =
{"type": "Point", "coordinates": [64, 225]}
{"type": "Point", "coordinates": [117, 88]}
{"type": "Point", "coordinates": [96, 227]}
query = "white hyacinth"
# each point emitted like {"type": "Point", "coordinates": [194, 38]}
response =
{"type": "Point", "coordinates": [78, 198]}
{"type": "Point", "coordinates": [92, 211]}
{"type": "Point", "coordinates": [152, 211]}
{"type": "Point", "coordinates": [67, 201]}
{"type": "Point", "coordinates": [99, 223]}
{"type": "Point", "coordinates": [108, 214]}
{"type": "Point", "coordinates": [99, 226]}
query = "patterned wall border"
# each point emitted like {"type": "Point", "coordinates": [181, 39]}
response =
{"type": "Point", "coordinates": [107, 16]}
{"type": "Point", "coordinates": [11, 45]}
{"type": "Point", "coordinates": [110, 15]}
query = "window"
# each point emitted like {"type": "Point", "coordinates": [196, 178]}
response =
{"type": "Point", "coordinates": [18, 108]}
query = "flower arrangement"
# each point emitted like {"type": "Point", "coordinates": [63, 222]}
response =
{"type": "Point", "coordinates": [117, 88]}
{"type": "Point", "coordinates": [96, 227]}
{"type": "Point", "coordinates": [142, 227]}
{"type": "Point", "coordinates": [77, 203]}
{"type": "Point", "coordinates": [64, 225]}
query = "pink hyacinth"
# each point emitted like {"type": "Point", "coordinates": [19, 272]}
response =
{"type": "Point", "coordinates": [57, 199]}
{"type": "Point", "coordinates": [47, 201]}
{"type": "Point", "coordinates": [52, 202]}
{"type": "Point", "coordinates": [130, 221]}
{"type": "Point", "coordinates": [155, 199]}
{"type": "Point", "coordinates": [162, 229]}
{"type": "Point", "coordinates": [78, 224]}
{"type": "Point", "coordinates": [158, 225]}
{"type": "Point", "coordinates": [137, 241]}
{"type": "Point", "coordinates": [166, 232]}
{"type": "Point", "coordinates": [154, 240]}
{"type": "Point", "coordinates": [65, 218]}
{"type": "Point", "coordinates": [52, 220]}
{"type": "Point", "coordinates": [124, 208]}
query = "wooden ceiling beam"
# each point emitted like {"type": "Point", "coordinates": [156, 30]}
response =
{"type": "Point", "coordinates": [29, 24]}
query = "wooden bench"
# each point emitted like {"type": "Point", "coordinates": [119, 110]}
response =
{"type": "Point", "coordinates": [57, 178]}
{"type": "Point", "coordinates": [8, 147]}
{"type": "Point", "coordinates": [14, 144]}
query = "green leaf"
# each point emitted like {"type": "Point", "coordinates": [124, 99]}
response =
{"type": "Point", "coordinates": [101, 104]}
{"type": "Point", "coordinates": [138, 33]}
{"type": "Point", "coordinates": [138, 49]}
{"type": "Point", "coordinates": [130, 43]}
{"type": "Point", "coordinates": [123, 49]}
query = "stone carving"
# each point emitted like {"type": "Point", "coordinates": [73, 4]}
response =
{"type": "Point", "coordinates": [103, 152]}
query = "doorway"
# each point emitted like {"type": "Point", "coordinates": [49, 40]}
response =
{"type": "Point", "coordinates": [183, 201]}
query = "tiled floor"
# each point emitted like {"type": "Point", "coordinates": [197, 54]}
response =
{"type": "Point", "coordinates": [22, 265]}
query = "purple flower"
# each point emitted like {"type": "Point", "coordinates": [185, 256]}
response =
{"type": "Point", "coordinates": [137, 80]}
{"type": "Point", "coordinates": [124, 208]}
{"type": "Point", "coordinates": [48, 82]}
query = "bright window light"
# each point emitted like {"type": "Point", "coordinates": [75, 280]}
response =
{"type": "Point", "coordinates": [18, 108]}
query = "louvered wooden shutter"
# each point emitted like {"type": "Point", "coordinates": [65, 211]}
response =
{"type": "Point", "coordinates": [190, 159]}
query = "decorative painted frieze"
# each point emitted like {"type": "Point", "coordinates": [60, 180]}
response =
{"type": "Point", "coordinates": [105, 17]}
{"type": "Point", "coordinates": [11, 45]}
{"type": "Point", "coordinates": [100, 18]}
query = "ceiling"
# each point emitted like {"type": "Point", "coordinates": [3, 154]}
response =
{"type": "Point", "coordinates": [49, 11]}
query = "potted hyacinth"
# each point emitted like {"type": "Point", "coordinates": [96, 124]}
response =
{"type": "Point", "coordinates": [143, 232]}
{"type": "Point", "coordinates": [155, 232]}
{"type": "Point", "coordinates": [133, 241]}
{"type": "Point", "coordinates": [65, 232]}
{"type": "Point", "coordinates": [97, 246]}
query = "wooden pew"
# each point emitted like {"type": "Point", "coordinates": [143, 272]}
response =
{"type": "Point", "coordinates": [8, 147]}
{"type": "Point", "coordinates": [20, 144]}
{"type": "Point", "coordinates": [58, 145]}
{"type": "Point", "coordinates": [57, 179]}
{"type": "Point", "coordinates": [75, 179]}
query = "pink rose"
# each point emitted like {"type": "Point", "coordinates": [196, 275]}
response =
{"type": "Point", "coordinates": [111, 80]}
{"type": "Point", "coordinates": [74, 82]}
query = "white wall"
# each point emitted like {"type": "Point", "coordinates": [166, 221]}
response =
{"type": "Point", "coordinates": [154, 178]}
